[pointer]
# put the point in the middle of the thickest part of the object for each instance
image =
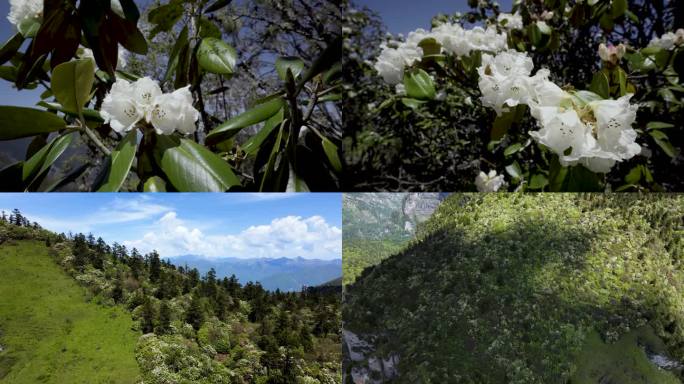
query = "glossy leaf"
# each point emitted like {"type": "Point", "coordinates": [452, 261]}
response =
{"type": "Point", "coordinates": [332, 152]}
{"type": "Point", "coordinates": [155, 184]}
{"type": "Point", "coordinates": [419, 85]}
{"type": "Point", "coordinates": [658, 125]}
{"type": "Point", "coordinates": [215, 56]}
{"type": "Point", "coordinates": [181, 41]}
{"type": "Point", "coordinates": [663, 142]}
{"type": "Point", "coordinates": [294, 64]}
{"type": "Point", "coordinates": [43, 159]}
{"type": "Point", "coordinates": [66, 179]}
{"type": "Point", "coordinates": [17, 122]}
{"type": "Point", "coordinates": [191, 167]}
{"type": "Point", "coordinates": [88, 114]}
{"type": "Point", "coordinates": [514, 170]}
{"type": "Point", "coordinates": [72, 82]}
{"type": "Point", "coordinates": [252, 116]}
{"type": "Point", "coordinates": [513, 148]}
{"type": "Point", "coordinates": [538, 181]}
{"type": "Point", "coordinates": [252, 145]}
{"type": "Point", "coordinates": [130, 10]}
{"type": "Point", "coordinates": [10, 48]}
{"type": "Point", "coordinates": [412, 103]}
{"type": "Point", "coordinates": [600, 85]}
{"type": "Point", "coordinates": [120, 163]}
{"type": "Point", "coordinates": [271, 164]}
{"type": "Point", "coordinates": [295, 183]}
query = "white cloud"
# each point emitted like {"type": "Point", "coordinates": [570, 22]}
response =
{"type": "Point", "coordinates": [289, 236]}
{"type": "Point", "coordinates": [118, 211]}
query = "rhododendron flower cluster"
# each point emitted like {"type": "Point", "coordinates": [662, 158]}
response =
{"type": "Point", "coordinates": [669, 40]}
{"type": "Point", "coordinates": [511, 21]}
{"type": "Point", "coordinates": [396, 56]}
{"type": "Point", "coordinates": [580, 128]}
{"type": "Point", "coordinates": [129, 103]}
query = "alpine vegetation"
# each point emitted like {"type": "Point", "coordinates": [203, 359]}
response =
{"type": "Point", "coordinates": [553, 95]}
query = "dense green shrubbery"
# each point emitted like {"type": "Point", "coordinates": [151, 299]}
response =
{"type": "Point", "coordinates": [507, 288]}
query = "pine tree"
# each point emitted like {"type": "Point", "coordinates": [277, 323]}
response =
{"type": "Point", "coordinates": [155, 267]}
{"type": "Point", "coordinates": [147, 316]}
{"type": "Point", "coordinates": [164, 318]}
{"type": "Point", "coordinates": [195, 316]}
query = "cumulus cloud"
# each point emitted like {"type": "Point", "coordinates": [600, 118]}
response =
{"type": "Point", "coordinates": [290, 236]}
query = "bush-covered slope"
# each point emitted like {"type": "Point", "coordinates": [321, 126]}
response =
{"type": "Point", "coordinates": [50, 333]}
{"type": "Point", "coordinates": [529, 289]}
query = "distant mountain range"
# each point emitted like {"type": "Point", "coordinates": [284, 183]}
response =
{"type": "Point", "coordinates": [286, 274]}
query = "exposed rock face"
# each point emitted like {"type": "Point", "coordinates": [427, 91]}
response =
{"type": "Point", "coordinates": [418, 207]}
{"type": "Point", "coordinates": [362, 363]}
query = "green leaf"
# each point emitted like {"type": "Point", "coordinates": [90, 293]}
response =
{"type": "Point", "coordinates": [411, 103]}
{"type": "Point", "coordinates": [295, 183]}
{"type": "Point", "coordinates": [88, 114]}
{"type": "Point", "coordinates": [130, 10]}
{"type": "Point", "coordinates": [538, 181]}
{"type": "Point", "coordinates": [419, 85]}
{"type": "Point", "coordinates": [501, 125]}
{"type": "Point", "coordinates": [332, 152]}
{"type": "Point", "coordinates": [72, 82]}
{"type": "Point", "coordinates": [513, 148]}
{"type": "Point", "coordinates": [120, 163]}
{"type": "Point", "coordinates": [191, 167]}
{"type": "Point", "coordinates": [215, 56]}
{"type": "Point", "coordinates": [600, 85]}
{"type": "Point", "coordinates": [557, 174]}
{"type": "Point", "coordinates": [208, 29]}
{"type": "Point", "coordinates": [514, 170]}
{"type": "Point", "coordinates": [534, 34]}
{"type": "Point", "coordinates": [658, 125]}
{"type": "Point", "coordinates": [181, 41]}
{"type": "Point", "coordinates": [218, 4]}
{"type": "Point", "coordinates": [664, 142]}
{"type": "Point", "coordinates": [165, 16]}
{"type": "Point", "coordinates": [294, 64]}
{"type": "Point", "coordinates": [622, 81]}
{"type": "Point", "coordinates": [17, 122]}
{"type": "Point", "coordinates": [43, 159]}
{"type": "Point", "coordinates": [155, 184]}
{"type": "Point", "coordinates": [252, 145]}
{"type": "Point", "coordinates": [330, 57]}
{"type": "Point", "coordinates": [29, 27]}
{"type": "Point", "coordinates": [580, 179]}
{"type": "Point", "coordinates": [634, 175]}
{"type": "Point", "coordinates": [543, 27]}
{"type": "Point", "coordinates": [252, 116]}
{"type": "Point", "coordinates": [10, 48]}
{"type": "Point", "coordinates": [271, 164]}
{"type": "Point", "coordinates": [430, 46]}
{"type": "Point", "coordinates": [618, 8]}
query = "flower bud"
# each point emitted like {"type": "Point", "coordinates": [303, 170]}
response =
{"type": "Point", "coordinates": [611, 54]}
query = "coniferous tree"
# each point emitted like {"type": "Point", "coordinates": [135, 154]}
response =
{"type": "Point", "coordinates": [147, 316]}
{"type": "Point", "coordinates": [164, 318]}
{"type": "Point", "coordinates": [155, 267]}
{"type": "Point", "coordinates": [195, 315]}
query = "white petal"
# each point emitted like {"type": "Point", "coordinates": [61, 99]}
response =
{"type": "Point", "coordinates": [145, 90]}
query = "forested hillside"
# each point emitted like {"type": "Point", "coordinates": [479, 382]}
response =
{"type": "Point", "coordinates": [511, 288]}
{"type": "Point", "coordinates": [377, 225]}
{"type": "Point", "coordinates": [195, 329]}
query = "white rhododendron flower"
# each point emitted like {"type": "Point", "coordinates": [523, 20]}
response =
{"type": "Point", "coordinates": [611, 53]}
{"type": "Point", "coordinates": [596, 135]}
{"type": "Point", "coordinates": [396, 56]}
{"type": "Point", "coordinates": [392, 61]}
{"type": "Point", "coordinates": [505, 80]}
{"type": "Point", "coordinates": [512, 21]}
{"type": "Point", "coordinates": [668, 40]}
{"type": "Point", "coordinates": [174, 111]}
{"type": "Point", "coordinates": [22, 11]}
{"type": "Point", "coordinates": [489, 182]}
{"type": "Point", "coordinates": [127, 104]}
{"type": "Point", "coordinates": [119, 108]}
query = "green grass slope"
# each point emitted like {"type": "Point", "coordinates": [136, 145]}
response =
{"type": "Point", "coordinates": [530, 288]}
{"type": "Point", "coordinates": [50, 333]}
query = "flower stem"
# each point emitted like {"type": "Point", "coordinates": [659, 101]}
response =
{"type": "Point", "coordinates": [94, 137]}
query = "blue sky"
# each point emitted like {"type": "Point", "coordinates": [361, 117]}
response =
{"type": "Point", "coordinates": [404, 16]}
{"type": "Point", "coordinates": [209, 224]}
